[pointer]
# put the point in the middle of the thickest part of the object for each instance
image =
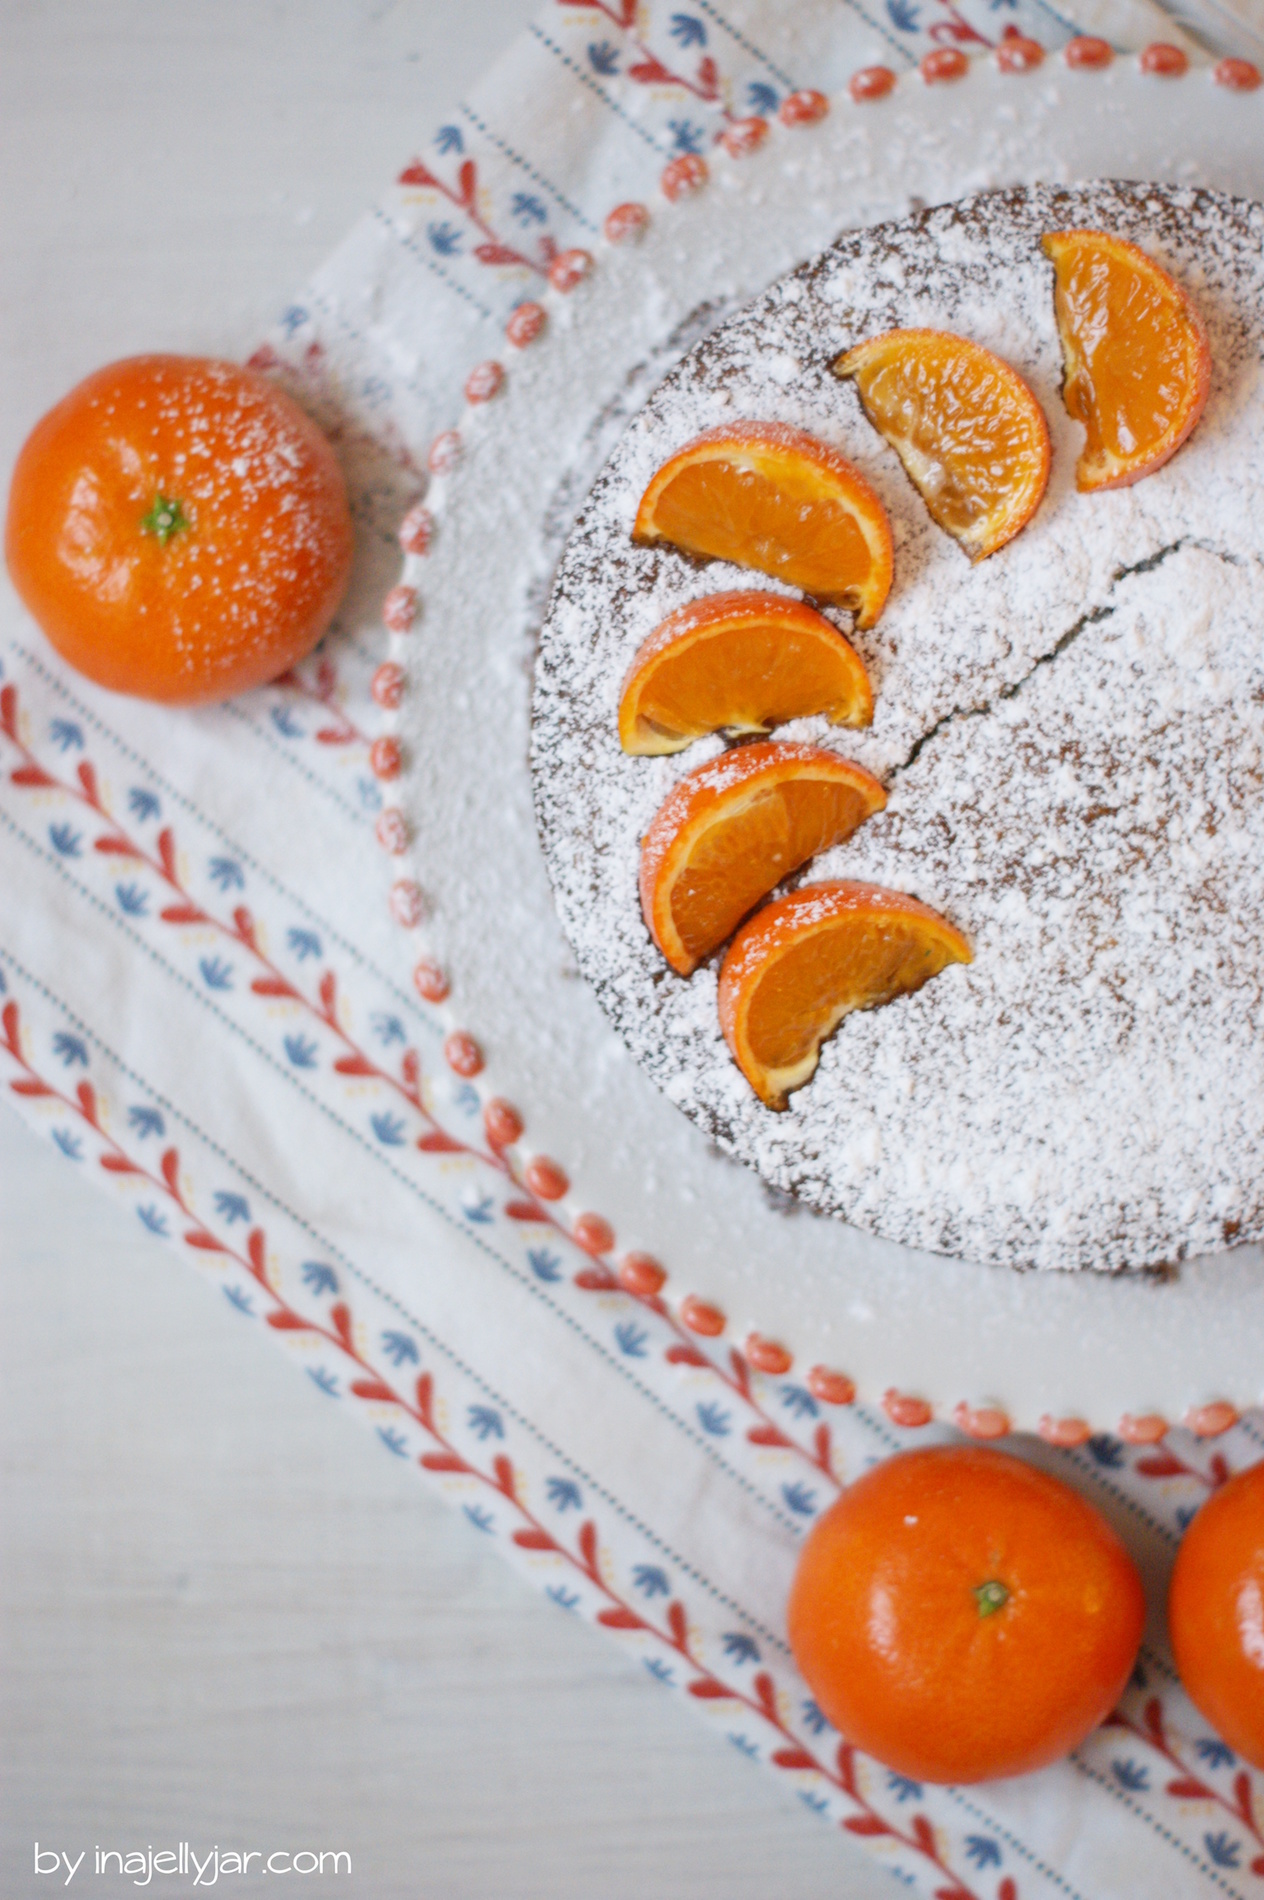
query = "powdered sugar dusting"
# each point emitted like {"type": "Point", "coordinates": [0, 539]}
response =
{"type": "Point", "coordinates": [1072, 735]}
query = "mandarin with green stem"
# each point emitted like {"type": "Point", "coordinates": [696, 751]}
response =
{"type": "Point", "coordinates": [179, 529]}
{"type": "Point", "coordinates": [961, 1615]}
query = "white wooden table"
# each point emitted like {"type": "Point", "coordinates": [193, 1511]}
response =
{"type": "Point", "coordinates": [226, 1616]}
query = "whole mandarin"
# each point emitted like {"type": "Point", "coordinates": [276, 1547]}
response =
{"type": "Point", "coordinates": [1215, 1612]}
{"type": "Point", "coordinates": [961, 1615]}
{"type": "Point", "coordinates": [179, 528]}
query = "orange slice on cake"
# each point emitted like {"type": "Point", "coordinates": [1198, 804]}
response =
{"type": "Point", "coordinates": [739, 662]}
{"type": "Point", "coordinates": [973, 439]}
{"type": "Point", "coordinates": [729, 832]}
{"type": "Point", "coordinates": [769, 497]}
{"type": "Point", "coordinates": [1135, 351]}
{"type": "Point", "coordinates": [807, 960]}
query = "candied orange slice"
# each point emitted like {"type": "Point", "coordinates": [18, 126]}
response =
{"type": "Point", "coordinates": [807, 960]}
{"type": "Point", "coordinates": [973, 439]}
{"type": "Point", "coordinates": [767, 496]}
{"type": "Point", "coordinates": [733, 828]}
{"type": "Point", "coordinates": [739, 662]}
{"type": "Point", "coordinates": [1135, 351]}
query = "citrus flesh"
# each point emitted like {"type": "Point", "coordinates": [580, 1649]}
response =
{"type": "Point", "coordinates": [729, 832]}
{"type": "Point", "coordinates": [809, 959]}
{"type": "Point", "coordinates": [961, 1615]}
{"type": "Point", "coordinates": [739, 662]}
{"type": "Point", "coordinates": [769, 497]}
{"type": "Point", "coordinates": [973, 439]}
{"type": "Point", "coordinates": [1137, 366]}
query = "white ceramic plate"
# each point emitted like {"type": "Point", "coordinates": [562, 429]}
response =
{"type": "Point", "coordinates": [1024, 1346]}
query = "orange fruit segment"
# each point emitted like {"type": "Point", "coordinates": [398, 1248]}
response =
{"type": "Point", "coordinates": [973, 439]}
{"type": "Point", "coordinates": [769, 497]}
{"type": "Point", "coordinates": [733, 828]}
{"type": "Point", "coordinates": [807, 960]}
{"type": "Point", "coordinates": [740, 662]}
{"type": "Point", "coordinates": [1136, 358]}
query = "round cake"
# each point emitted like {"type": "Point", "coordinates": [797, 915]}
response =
{"type": "Point", "coordinates": [1071, 736]}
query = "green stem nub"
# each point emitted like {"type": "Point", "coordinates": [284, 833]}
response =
{"type": "Point", "coordinates": [991, 1596]}
{"type": "Point", "coordinates": [164, 519]}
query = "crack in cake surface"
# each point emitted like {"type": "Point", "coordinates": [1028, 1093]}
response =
{"type": "Point", "coordinates": [1089, 618]}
